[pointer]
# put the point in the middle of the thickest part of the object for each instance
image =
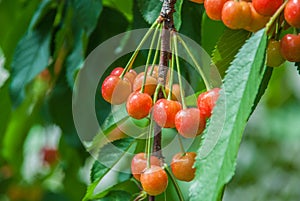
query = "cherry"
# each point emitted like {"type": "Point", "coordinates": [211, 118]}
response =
{"type": "Point", "coordinates": [150, 85]}
{"type": "Point", "coordinates": [292, 13]}
{"type": "Point", "coordinates": [50, 155]}
{"type": "Point", "coordinates": [139, 164]}
{"type": "Point", "coordinates": [154, 180]}
{"type": "Point", "coordinates": [258, 21]}
{"type": "Point", "coordinates": [138, 105]}
{"type": "Point", "coordinates": [117, 71]}
{"type": "Point", "coordinates": [115, 90]}
{"type": "Point", "coordinates": [290, 47]}
{"type": "Point", "coordinates": [267, 7]}
{"type": "Point", "coordinates": [214, 8]}
{"type": "Point", "coordinates": [164, 112]}
{"type": "Point", "coordinates": [175, 92]}
{"type": "Point", "coordinates": [197, 1]}
{"type": "Point", "coordinates": [130, 76]}
{"type": "Point", "coordinates": [236, 14]}
{"type": "Point", "coordinates": [182, 166]}
{"type": "Point", "coordinates": [274, 57]}
{"type": "Point", "coordinates": [189, 122]}
{"type": "Point", "coordinates": [207, 100]}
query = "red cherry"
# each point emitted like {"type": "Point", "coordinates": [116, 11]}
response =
{"type": "Point", "coordinates": [207, 101]}
{"type": "Point", "coordinates": [236, 14]}
{"type": "Point", "coordinates": [213, 8]}
{"type": "Point", "coordinates": [150, 85]}
{"type": "Point", "coordinates": [267, 7]}
{"type": "Point", "coordinates": [164, 112]}
{"type": "Point", "coordinates": [138, 105]}
{"type": "Point", "coordinates": [139, 164]}
{"type": "Point", "coordinates": [117, 71]}
{"type": "Point", "coordinates": [258, 21]}
{"type": "Point", "coordinates": [292, 13]}
{"type": "Point", "coordinates": [189, 122]}
{"type": "Point", "coordinates": [182, 166]}
{"type": "Point", "coordinates": [154, 180]}
{"type": "Point", "coordinates": [115, 90]}
{"type": "Point", "coordinates": [290, 47]}
{"type": "Point", "coordinates": [130, 76]}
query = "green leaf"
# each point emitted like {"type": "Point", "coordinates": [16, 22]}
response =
{"type": "Point", "coordinates": [116, 196]}
{"type": "Point", "coordinates": [31, 57]}
{"type": "Point", "coordinates": [111, 156]}
{"type": "Point", "coordinates": [227, 47]}
{"type": "Point", "coordinates": [216, 158]}
{"type": "Point", "coordinates": [211, 31]}
{"type": "Point", "coordinates": [150, 10]}
{"type": "Point", "coordinates": [124, 6]}
{"type": "Point", "coordinates": [86, 13]}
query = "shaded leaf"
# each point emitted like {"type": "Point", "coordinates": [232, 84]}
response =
{"type": "Point", "coordinates": [216, 158]}
{"type": "Point", "coordinates": [86, 13]}
{"type": "Point", "coordinates": [124, 7]}
{"type": "Point", "coordinates": [209, 37]}
{"type": "Point", "coordinates": [31, 57]}
{"type": "Point", "coordinates": [227, 47]}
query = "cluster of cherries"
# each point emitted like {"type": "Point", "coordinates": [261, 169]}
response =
{"type": "Point", "coordinates": [254, 15]}
{"type": "Point", "coordinates": [137, 91]}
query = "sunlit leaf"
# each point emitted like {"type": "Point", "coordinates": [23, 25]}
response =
{"type": "Point", "coordinates": [216, 158]}
{"type": "Point", "coordinates": [227, 47]}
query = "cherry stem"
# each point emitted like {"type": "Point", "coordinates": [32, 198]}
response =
{"type": "Point", "coordinates": [178, 71]}
{"type": "Point", "coordinates": [156, 52]}
{"type": "Point", "coordinates": [178, 191]}
{"type": "Point", "coordinates": [171, 76]}
{"type": "Point", "coordinates": [149, 57]}
{"type": "Point", "coordinates": [181, 145]}
{"type": "Point", "coordinates": [134, 55]}
{"type": "Point", "coordinates": [149, 142]}
{"type": "Point", "coordinates": [275, 16]}
{"type": "Point", "coordinates": [204, 77]}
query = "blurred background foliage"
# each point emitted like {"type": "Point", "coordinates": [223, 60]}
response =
{"type": "Point", "coordinates": [42, 157]}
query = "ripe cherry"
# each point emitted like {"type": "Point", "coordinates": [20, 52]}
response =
{"type": "Point", "coordinates": [292, 13]}
{"type": "Point", "coordinates": [290, 47]}
{"type": "Point", "coordinates": [267, 7]}
{"type": "Point", "coordinates": [258, 21]}
{"type": "Point", "coordinates": [139, 164]}
{"type": "Point", "coordinates": [154, 180]}
{"type": "Point", "coordinates": [182, 166]}
{"type": "Point", "coordinates": [117, 71]}
{"type": "Point", "coordinates": [213, 8]}
{"type": "Point", "coordinates": [207, 100]}
{"type": "Point", "coordinates": [189, 122]}
{"type": "Point", "coordinates": [236, 14]}
{"type": "Point", "coordinates": [175, 92]}
{"type": "Point", "coordinates": [130, 76]}
{"type": "Point", "coordinates": [115, 90]}
{"type": "Point", "coordinates": [164, 112]}
{"type": "Point", "coordinates": [274, 57]}
{"type": "Point", "coordinates": [150, 85]}
{"type": "Point", "coordinates": [138, 105]}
